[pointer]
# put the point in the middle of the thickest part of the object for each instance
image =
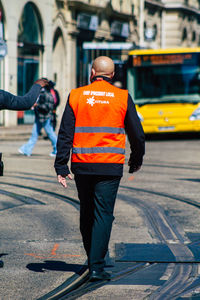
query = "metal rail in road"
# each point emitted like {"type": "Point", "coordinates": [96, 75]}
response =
{"type": "Point", "coordinates": [184, 276]}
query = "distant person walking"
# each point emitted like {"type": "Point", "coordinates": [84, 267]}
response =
{"type": "Point", "coordinates": [56, 98]}
{"type": "Point", "coordinates": [43, 115]}
{"type": "Point", "coordinates": [93, 126]}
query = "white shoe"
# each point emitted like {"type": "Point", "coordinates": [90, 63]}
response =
{"type": "Point", "coordinates": [52, 154]}
{"type": "Point", "coordinates": [21, 152]}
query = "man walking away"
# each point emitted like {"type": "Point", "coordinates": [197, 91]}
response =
{"type": "Point", "coordinates": [93, 125]}
{"type": "Point", "coordinates": [43, 115]}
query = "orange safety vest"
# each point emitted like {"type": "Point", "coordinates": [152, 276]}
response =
{"type": "Point", "coordinates": [99, 109]}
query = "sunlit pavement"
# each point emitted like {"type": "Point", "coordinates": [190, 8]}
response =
{"type": "Point", "coordinates": [40, 241]}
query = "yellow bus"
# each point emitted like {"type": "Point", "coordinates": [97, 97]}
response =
{"type": "Point", "coordinates": [165, 86]}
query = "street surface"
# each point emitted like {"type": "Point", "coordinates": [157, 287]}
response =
{"type": "Point", "coordinates": [40, 242]}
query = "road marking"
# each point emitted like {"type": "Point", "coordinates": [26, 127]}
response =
{"type": "Point", "coordinates": [41, 256]}
{"type": "Point", "coordinates": [53, 251]}
{"type": "Point", "coordinates": [52, 255]}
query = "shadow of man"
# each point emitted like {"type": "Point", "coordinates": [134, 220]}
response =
{"type": "Point", "coordinates": [56, 266]}
{"type": "Point", "coordinates": [1, 261]}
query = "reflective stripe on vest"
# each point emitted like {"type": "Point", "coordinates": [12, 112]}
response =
{"type": "Point", "coordinates": [100, 129]}
{"type": "Point", "coordinates": [99, 150]}
{"type": "Point", "coordinates": [99, 137]}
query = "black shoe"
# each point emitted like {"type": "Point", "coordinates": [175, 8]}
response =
{"type": "Point", "coordinates": [98, 275]}
{"type": "Point", "coordinates": [1, 264]}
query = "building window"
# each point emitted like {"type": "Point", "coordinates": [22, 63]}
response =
{"type": "Point", "coordinates": [132, 9]}
{"type": "Point", "coordinates": [193, 36]}
{"type": "Point", "coordinates": [30, 50]}
{"type": "Point", "coordinates": [30, 29]}
{"type": "Point", "coordinates": [150, 32]}
{"type": "Point", "coordinates": [184, 34]}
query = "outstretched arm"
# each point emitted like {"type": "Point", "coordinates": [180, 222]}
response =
{"type": "Point", "coordinates": [12, 102]}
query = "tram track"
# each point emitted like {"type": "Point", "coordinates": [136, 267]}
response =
{"type": "Point", "coordinates": [184, 273]}
{"type": "Point", "coordinates": [174, 166]}
{"type": "Point", "coordinates": [75, 285]}
{"type": "Point", "coordinates": [165, 195]}
{"type": "Point", "coordinates": [64, 198]}
{"type": "Point", "coordinates": [182, 279]}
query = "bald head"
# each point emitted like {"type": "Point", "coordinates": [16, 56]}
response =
{"type": "Point", "coordinates": [104, 66]}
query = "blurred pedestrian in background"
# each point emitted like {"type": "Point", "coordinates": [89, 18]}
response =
{"type": "Point", "coordinates": [56, 98]}
{"type": "Point", "coordinates": [43, 116]}
{"type": "Point", "coordinates": [93, 125]}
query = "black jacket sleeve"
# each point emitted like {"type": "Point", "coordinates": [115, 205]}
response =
{"type": "Point", "coordinates": [65, 141]}
{"type": "Point", "coordinates": [135, 134]}
{"type": "Point", "coordinates": [11, 102]}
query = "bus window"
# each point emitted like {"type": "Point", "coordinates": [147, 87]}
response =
{"type": "Point", "coordinates": [165, 86]}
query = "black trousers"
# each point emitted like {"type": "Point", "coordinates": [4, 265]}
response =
{"type": "Point", "coordinates": [97, 195]}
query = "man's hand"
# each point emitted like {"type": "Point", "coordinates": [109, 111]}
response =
{"type": "Point", "coordinates": [62, 179]}
{"type": "Point", "coordinates": [42, 82]}
{"type": "Point", "coordinates": [133, 168]}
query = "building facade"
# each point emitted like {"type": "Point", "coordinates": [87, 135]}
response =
{"type": "Point", "coordinates": [59, 39]}
{"type": "Point", "coordinates": [169, 23]}
{"type": "Point", "coordinates": [27, 32]}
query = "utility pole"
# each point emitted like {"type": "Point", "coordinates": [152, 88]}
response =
{"type": "Point", "coordinates": [141, 23]}
{"type": "Point", "coordinates": [163, 29]}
